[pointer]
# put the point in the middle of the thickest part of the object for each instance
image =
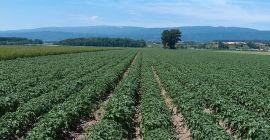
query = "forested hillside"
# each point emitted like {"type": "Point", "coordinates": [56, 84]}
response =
{"type": "Point", "coordinates": [192, 33]}
{"type": "Point", "coordinates": [108, 42]}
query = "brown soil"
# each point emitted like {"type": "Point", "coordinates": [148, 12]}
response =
{"type": "Point", "coordinates": [228, 130]}
{"type": "Point", "coordinates": [135, 132]}
{"type": "Point", "coordinates": [138, 129]}
{"type": "Point", "coordinates": [128, 69]}
{"type": "Point", "coordinates": [208, 110]}
{"type": "Point", "coordinates": [86, 123]}
{"type": "Point", "coordinates": [177, 118]}
{"type": "Point", "coordinates": [138, 116]}
{"type": "Point", "coordinates": [221, 123]}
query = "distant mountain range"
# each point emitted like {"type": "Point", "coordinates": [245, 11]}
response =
{"type": "Point", "coordinates": [191, 33]}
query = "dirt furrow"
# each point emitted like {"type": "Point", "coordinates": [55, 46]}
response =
{"type": "Point", "coordinates": [177, 118]}
{"type": "Point", "coordinates": [138, 116]}
{"type": "Point", "coordinates": [86, 123]}
{"type": "Point", "coordinates": [138, 119]}
{"type": "Point", "coordinates": [221, 123]}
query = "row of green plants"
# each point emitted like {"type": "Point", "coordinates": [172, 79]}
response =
{"type": "Point", "coordinates": [55, 80]}
{"type": "Point", "coordinates": [31, 71]}
{"type": "Point", "coordinates": [189, 103]}
{"type": "Point", "coordinates": [67, 114]}
{"type": "Point", "coordinates": [17, 123]}
{"type": "Point", "coordinates": [241, 98]}
{"type": "Point", "coordinates": [234, 86]}
{"type": "Point", "coordinates": [19, 51]}
{"type": "Point", "coordinates": [117, 121]}
{"type": "Point", "coordinates": [20, 74]}
{"type": "Point", "coordinates": [243, 78]}
{"type": "Point", "coordinates": [156, 116]}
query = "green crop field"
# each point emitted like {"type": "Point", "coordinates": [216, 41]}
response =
{"type": "Point", "coordinates": [133, 94]}
{"type": "Point", "coordinates": [11, 52]}
{"type": "Point", "coordinates": [248, 52]}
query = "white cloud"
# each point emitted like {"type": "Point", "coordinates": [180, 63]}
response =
{"type": "Point", "coordinates": [211, 11]}
{"type": "Point", "coordinates": [90, 18]}
{"type": "Point", "coordinates": [84, 18]}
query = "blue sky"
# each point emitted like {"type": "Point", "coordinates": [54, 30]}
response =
{"type": "Point", "coordinates": [24, 14]}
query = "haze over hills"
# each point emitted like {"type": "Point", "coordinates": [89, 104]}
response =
{"type": "Point", "coordinates": [191, 33]}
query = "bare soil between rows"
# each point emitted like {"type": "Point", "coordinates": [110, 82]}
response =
{"type": "Point", "coordinates": [183, 133]}
{"type": "Point", "coordinates": [86, 123]}
{"type": "Point", "coordinates": [229, 130]}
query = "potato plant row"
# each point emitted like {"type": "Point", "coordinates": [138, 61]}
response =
{"type": "Point", "coordinates": [10, 102]}
{"type": "Point", "coordinates": [247, 117]}
{"type": "Point", "coordinates": [202, 125]}
{"type": "Point", "coordinates": [20, 51]}
{"type": "Point", "coordinates": [220, 95]}
{"type": "Point", "coordinates": [156, 115]}
{"type": "Point", "coordinates": [68, 114]}
{"type": "Point", "coordinates": [230, 85]}
{"type": "Point", "coordinates": [17, 123]}
{"type": "Point", "coordinates": [116, 123]}
{"type": "Point", "coordinates": [243, 78]}
{"type": "Point", "coordinates": [20, 74]}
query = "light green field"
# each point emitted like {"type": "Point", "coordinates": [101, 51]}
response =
{"type": "Point", "coordinates": [248, 52]}
{"type": "Point", "coordinates": [12, 52]}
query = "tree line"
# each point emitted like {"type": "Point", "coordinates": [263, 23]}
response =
{"type": "Point", "coordinates": [18, 41]}
{"type": "Point", "coordinates": [100, 42]}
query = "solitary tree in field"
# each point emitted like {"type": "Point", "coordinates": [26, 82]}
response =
{"type": "Point", "coordinates": [170, 38]}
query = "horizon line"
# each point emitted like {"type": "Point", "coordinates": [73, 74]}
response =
{"type": "Point", "coordinates": [168, 27]}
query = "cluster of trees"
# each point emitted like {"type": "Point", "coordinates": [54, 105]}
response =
{"type": "Point", "coordinates": [170, 38]}
{"type": "Point", "coordinates": [253, 45]}
{"type": "Point", "coordinates": [108, 42]}
{"type": "Point", "coordinates": [222, 46]}
{"type": "Point", "coordinates": [18, 41]}
{"type": "Point", "coordinates": [258, 41]}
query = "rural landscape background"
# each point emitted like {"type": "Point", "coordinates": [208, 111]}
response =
{"type": "Point", "coordinates": [134, 69]}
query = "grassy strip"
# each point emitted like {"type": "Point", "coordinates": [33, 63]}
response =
{"type": "Point", "coordinates": [156, 116]}
{"type": "Point", "coordinates": [67, 114]}
{"type": "Point", "coordinates": [12, 52]}
{"type": "Point", "coordinates": [117, 120]}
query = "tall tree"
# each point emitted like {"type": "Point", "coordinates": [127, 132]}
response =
{"type": "Point", "coordinates": [170, 38]}
{"type": "Point", "coordinates": [165, 38]}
